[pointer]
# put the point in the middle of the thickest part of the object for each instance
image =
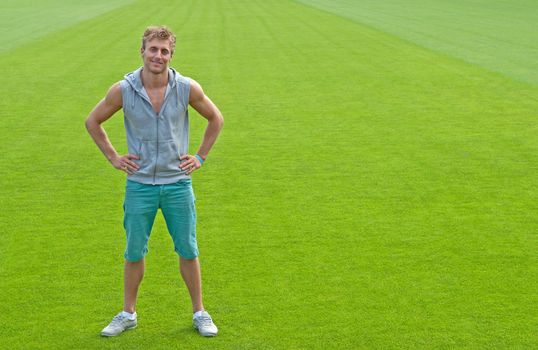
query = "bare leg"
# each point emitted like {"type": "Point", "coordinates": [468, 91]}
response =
{"type": "Point", "coordinates": [190, 271]}
{"type": "Point", "coordinates": [133, 273]}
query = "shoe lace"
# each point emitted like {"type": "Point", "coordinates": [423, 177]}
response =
{"type": "Point", "coordinates": [118, 319]}
{"type": "Point", "coordinates": [205, 320]}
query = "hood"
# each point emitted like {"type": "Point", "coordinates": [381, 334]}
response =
{"type": "Point", "coordinates": [135, 81]}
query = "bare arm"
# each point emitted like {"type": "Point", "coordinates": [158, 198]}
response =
{"type": "Point", "coordinates": [207, 109]}
{"type": "Point", "coordinates": [101, 113]}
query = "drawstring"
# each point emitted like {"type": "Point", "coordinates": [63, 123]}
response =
{"type": "Point", "coordinates": [177, 92]}
{"type": "Point", "coordinates": [133, 101]}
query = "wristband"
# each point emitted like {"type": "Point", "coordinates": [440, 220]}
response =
{"type": "Point", "coordinates": [200, 159]}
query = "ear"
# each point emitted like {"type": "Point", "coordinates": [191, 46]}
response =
{"type": "Point", "coordinates": [141, 50]}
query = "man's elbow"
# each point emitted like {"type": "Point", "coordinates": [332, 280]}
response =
{"type": "Point", "coordinates": [90, 123]}
{"type": "Point", "coordinates": [216, 121]}
{"type": "Point", "coordinates": [220, 119]}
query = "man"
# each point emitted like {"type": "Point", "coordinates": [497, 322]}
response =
{"type": "Point", "coordinates": [155, 101]}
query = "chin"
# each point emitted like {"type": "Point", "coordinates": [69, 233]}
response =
{"type": "Point", "coordinates": [157, 70]}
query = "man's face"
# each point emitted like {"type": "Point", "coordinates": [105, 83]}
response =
{"type": "Point", "coordinates": [156, 55]}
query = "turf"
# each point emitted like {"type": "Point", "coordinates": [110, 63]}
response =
{"type": "Point", "coordinates": [498, 35]}
{"type": "Point", "coordinates": [24, 20]}
{"type": "Point", "coordinates": [366, 191]}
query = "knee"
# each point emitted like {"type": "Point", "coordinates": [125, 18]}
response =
{"type": "Point", "coordinates": [134, 257]}
{"type": "Point", "coordinates": [187, 259]}
{"type": "Point", "coordinates": [187, 255]}
{"type": "Point", "coordinates": [134, 261]}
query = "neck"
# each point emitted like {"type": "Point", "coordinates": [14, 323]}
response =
{"type": "Point", "coordinates": [154, 80]}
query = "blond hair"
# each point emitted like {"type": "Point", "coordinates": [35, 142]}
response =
{"type": "Point", "coordinates": [161, 33]}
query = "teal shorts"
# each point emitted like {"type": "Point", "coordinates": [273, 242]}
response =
{"type": "Point", "coordinates": [177, 204]}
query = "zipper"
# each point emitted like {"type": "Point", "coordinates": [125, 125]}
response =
{"type": "Point", "coordinates": [156, 147]}
{"type": "Point", "coordinates": [157, 131]}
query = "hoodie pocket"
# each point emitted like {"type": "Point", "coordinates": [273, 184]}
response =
{"type": "Point", "coordinates": [145, 159]}
{"type": "Point", "coordinates": [169, 158]}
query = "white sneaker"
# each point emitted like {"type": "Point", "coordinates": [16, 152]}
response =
{"type": "Point", "coordinates": [204, 324]}
{"type": "Point", "coordinates": [119, 324]}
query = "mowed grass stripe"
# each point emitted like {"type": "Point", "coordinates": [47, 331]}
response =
{"type": "Point", "coordinates": [350, 192]}
{"type": "Point", "coordinates": [22, 21]}
{"type": "Point", "coordinates": [496, 35]}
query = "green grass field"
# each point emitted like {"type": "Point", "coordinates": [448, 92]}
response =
{"type": "Point", "coordinates": [374, 186]}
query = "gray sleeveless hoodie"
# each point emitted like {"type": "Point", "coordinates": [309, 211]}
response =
{"type": "Point", "coordinates": [158, 139]}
